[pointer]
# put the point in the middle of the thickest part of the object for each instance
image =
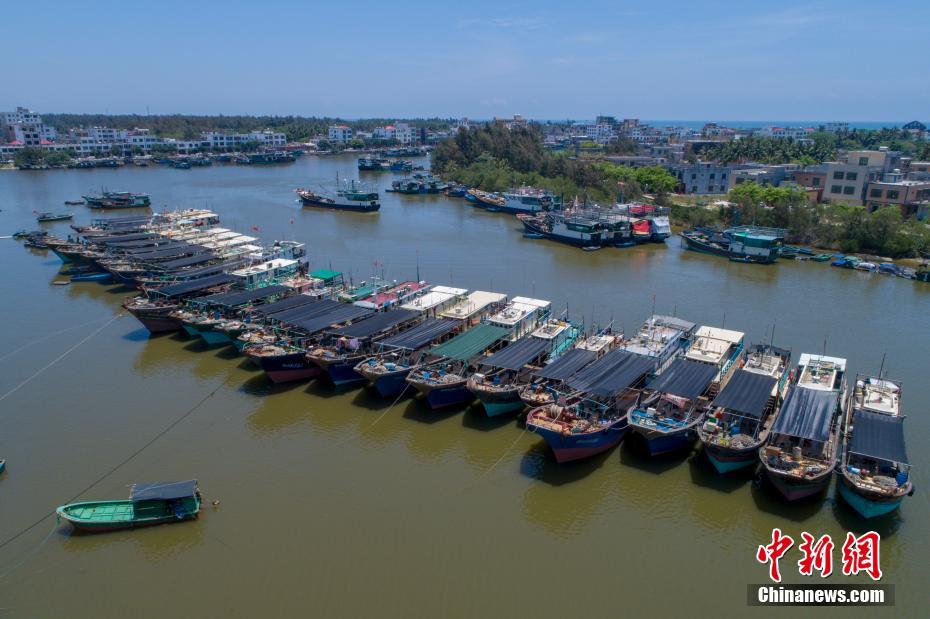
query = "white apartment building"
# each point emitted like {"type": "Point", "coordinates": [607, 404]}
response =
{"type": "Point", "coordinates": [25, 127]}
{"type": "Point", "coordinates": [340, 133]}
{"type": "Point", "coordinates": [218, 140]}
{"type": "Point", "coordinates": [795, 133]}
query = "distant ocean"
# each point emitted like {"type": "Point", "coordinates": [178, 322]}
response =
{"type": "Point", "coordinates": [757, 124]}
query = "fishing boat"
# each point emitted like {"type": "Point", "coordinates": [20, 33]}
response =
{"type": "Point", "coordinates": [373, 164]}
{"type": "Point", "coordinates": [445, 383]}
{"type": "Point", "coordinates": [363, 290]}
{"type": "Point", "coordinates": [49, 217]}
{"type": "Point", "coordinates": [547, 380]}
{"type": "Point", "coordinates": [2, 465]}
{"type": "Point", "coordinates": [435, 300]}
{"type": "Point", "coordinates": [148, 504]}
{"type": "Point", "coordinates": [660, 338]}
{"type": "Point", "coordinates": [803, 444]}
{"type": "Point", "coordinates": [342, 349]}
{"type": "Point", "coordinates": [118, 200]}
{"type": "Point", "coordinates": [650, 223]}
{"type": "Point", "coordinates": [457, 191]}
{"type": "Point", "coordinates": [821, 258]}
{"type": "Point", "coordinates": [486, 200]}
{"type": "Point", "coordinates": [207, 314]}
{"type": "Point", "coordinates": [157, 308]}
{"type": "Point", "coordinates": [673, 403]}
{"type": "Point", "coordinates": [751, 244]}
{"type": "Point", "coordinates": [396, 294]}
{"type": "Point", "coordinates": [266, 158]}
{"type": "Point", "coordinates": [742, 414]}
{"type": "Point", "coordinates": [874, 472]}
{"type": "Point", "coordinates": [581, 227]}
{"type": "Point", "coordinates": [299, 329]}
{"type": "Point", "coordinates": [351, 197]}
{"type": "Point", "coordinates": [592, 414]}
{"type": "Point", "coordinates": [74, 202]}
{"type": "Point", "coordinates": [499, 379]}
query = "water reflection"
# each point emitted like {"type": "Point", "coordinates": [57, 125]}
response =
{"type": "Point", "coordinates": [705, 475]}
{"type": "Point", "coordinates": [635, 453]}
{"type": "Point", "coordinates": [156, 543]}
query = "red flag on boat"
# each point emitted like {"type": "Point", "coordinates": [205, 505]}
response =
{"type": "Point", "coordinates": [254, 228]}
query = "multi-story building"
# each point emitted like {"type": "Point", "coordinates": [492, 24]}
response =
{"type": "Point", "coordinates": [340, 133]}
{"type": "Point", "coordinates": [911, 196]}
{"type": "Point", "coordinates": [836, 127]}
{"type": "Point", "coordinates": [26, 127]}
{"type": "Point", "coordinates": [846, 182]}
{"type": "Point", "coordinates": [701, 177]}
{"type": "Point", "coordinates": [882, 159]}
{"type": "Point", "coordinates": [773, 175]}
{"type": "Point", "coordinates": [218, 140]}
{"type": "Point", "coordinates": [812, 177]}
{"type": "Point", "coordinates": [794, 133]}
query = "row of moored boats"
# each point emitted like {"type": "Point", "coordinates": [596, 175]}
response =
{"type": "Point", "coordinates": [670, 384]}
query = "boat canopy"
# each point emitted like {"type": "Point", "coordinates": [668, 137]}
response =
{"type": "Point", "coordinates": [684, 378]}
{"type": "Point", "coordinates": [144, 247]}
{"type": "Point", "coordinates": [472, 342]}
{"type": "Point", "coordinates": [421, 335]}
{"type": "Point", "coordinates": [187, 261]}
{"type": "Point", "coordinates": [674, 322]}
{"type": "Point", "coordinates": [287, 303]}
{"type": "Point", "coordinates": [617, 370]}
{"type": "Point", "coordinates": [517, 354]}
{"type": "Point", "coordinates": [879, 436]}
{"type": "Point", "coordinates": [339, 315]}
{"type": "Point", "coordinates": [327, 275]}
{"type": "Point", "coordinates": [566, 365]}
{"type": "Point", "coordinates": [377, 323]}
{"type": "Point", "coordinates": [307, 310]}
{"type": "Point", "coordinates": [116, 239]}
{"type": "Point", "coordinates": [209, 270]}
{"type": "Point", "coordinates": [747, 393]}
{"type": "Point", "coordinates": [807, 413]}
{"type": "Point", "coordinates": [241, 297]}
{"type": "Point", "coordinates": [163, 491]}
{"type": "Point", "coordinates": [176, 290]}
{"type": "Point", "coordinates": [176, 251]}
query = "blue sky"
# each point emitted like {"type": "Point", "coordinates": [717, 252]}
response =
{"type": "Point", "coordinates": [671, 60]}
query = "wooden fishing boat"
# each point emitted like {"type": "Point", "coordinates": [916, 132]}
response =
{"type": "Point", "coordinates": [874, 476]}
{"type": "Point", "coordinates": [147, 505]}
{"type": "Point", "coordinates": [802, 447]}
{"type": "Point", "coordinates": [741, 416]}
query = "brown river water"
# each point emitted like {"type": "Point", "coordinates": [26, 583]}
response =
{"type": "Point", "coordinates": [335, 505]}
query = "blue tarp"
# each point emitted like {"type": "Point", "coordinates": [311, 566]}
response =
{"type": "Point", "coordinates": [424, 333]}
{"type": "Point", "coordinates": [380, 322]}
{"type": "Point", "coordinates": [747, 393]}
{"type": "Point", "coordinates": [612, 373]}
{"type": "Point", "coordinates": [195, 285]}
{"type": "Point", "coordinates": [567, 365]}
{"type": "Point", "coordinates": [807, 413]}
{"type": "Point", "coordinates": [684, 378]}
{"type": "Point", "coordinates": [878, 436]}
{"type": "Point", "coordinates": [514, 356]}
{"type": "Point", "coordinates": [163, 491]}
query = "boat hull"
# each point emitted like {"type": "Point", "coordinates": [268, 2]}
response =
{"type": "Point", "coordinates": [570, 447]}
{"type": "Point", "coordinates": [867, 506]}
{"type": "Point", "coordinates": [364, 207]}
{"type": "Point", "coordinates": [341, 372]}
{"type": "Point", "coordinates": [212, 337]}
{"type": "Point", "coordinates": [443, 396]}
{"type": "Point", "coordinates": [794, 489]}
{"type": "Point", "coordinates": [499, 402]}
{"type": "Point", "coordinates": [391, 384]}
{"type": "Point", "coordinates": [287, 368]}
{"type": "Point", "coordinates": [706, 248]}
{"type": "Point", "coordinates": [729, 460]}
{"type": "Point", "coordinates": [659, 443]}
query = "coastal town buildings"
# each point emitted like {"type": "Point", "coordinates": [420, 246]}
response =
{"type": "Point", "coordinates": [340, 134]}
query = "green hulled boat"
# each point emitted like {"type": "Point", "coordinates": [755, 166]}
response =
{"type": "Point", "coordinates": [148, 504]}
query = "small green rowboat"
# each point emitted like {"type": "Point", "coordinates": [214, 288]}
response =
{"type": "Point", "coordinates": [821, 257]}
{"type": "Point", "coordinates": [148, 504]}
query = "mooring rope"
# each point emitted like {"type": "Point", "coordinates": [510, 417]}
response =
{"type": "Point", "coordinates": [60, 357]}
{"type": "Point", "coordinates": [48, 336]}
{"type": "Point", "coordinates": [380, 417]}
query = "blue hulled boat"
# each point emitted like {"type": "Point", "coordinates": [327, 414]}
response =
{"type": "Point", "coordinates": [874, 473]}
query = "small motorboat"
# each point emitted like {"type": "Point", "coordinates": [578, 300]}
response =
{"type": "Point", "coordinates": [74, 202]}
{"type": "Point", "coordinates": [2, 465]}
{"type": "Point", "coordinates": [821, 257]}
{"type": "Point", "coordinates": [97, 276]}
{"type": "Point", "coordinates": [148, 504]}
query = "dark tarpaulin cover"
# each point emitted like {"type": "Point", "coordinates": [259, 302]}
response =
{"type": "Point", "coordinates": [151, 245]}
{"type": "Point", "coordinates": [566, 365]}
{"type": "Point", "coordinates": [747, 393]}
{"type": "Point", "coordinates": [421, 335]}
{"type": "Point", "coordinates": [517, 354]}
{"type": "Point", "coordinates": [232, 299]}
{"type": "Point", "coordinates": [684, 378]}
{"type": "Point", "coordinates": [879, 436]}
{"type": "Point", "coordinates": [186, 262]}
{"type": "Point", "coordinates": [116, 239]}
{"type": "Point", "coordinates": [339, 315]}
{"type": "Point", "coordinates": [612, 373]}
{"type": "Point", "coordinates": [175, 290]}
{"type": "Point", "coordinates": [176, 251]}
{"type": "Point", "coordinates": [306, 311]}
{"type": "Point", "coordinates": [286, 303]}
{"type": "Point", "coordinates": [381, 321]}
{"type": "Point", "coordinates": [807, 413]}
{"type": "Point", "coordinates": [163, 491]}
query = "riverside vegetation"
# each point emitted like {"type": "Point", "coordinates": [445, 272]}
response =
{"type": "Point", "coordinates": [495, 158]}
